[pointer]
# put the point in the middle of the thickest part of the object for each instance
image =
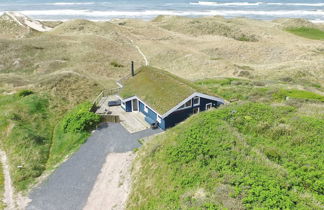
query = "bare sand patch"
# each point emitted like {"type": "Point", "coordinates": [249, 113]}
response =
{"type": "Point", "coordinates": [113, 184]}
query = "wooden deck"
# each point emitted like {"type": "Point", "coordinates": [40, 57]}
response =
{"type": "Point", "coordinates": [132, 121]}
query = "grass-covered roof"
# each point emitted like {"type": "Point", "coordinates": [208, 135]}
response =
{"type": "Point", "coordinates": [159, 89]}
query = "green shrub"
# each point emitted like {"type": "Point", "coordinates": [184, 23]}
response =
{"type": "Point", "coordinates": [272, 154]}
{"type": "Point", "coordinates": [80, 119]}
{"type": "Point", "coordinates": [24, 93]}
{"type": "Point", "coordinates": [116, 64]}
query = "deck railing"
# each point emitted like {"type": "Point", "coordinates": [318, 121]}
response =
{"type": "Point", "coordinates": [102, 94]}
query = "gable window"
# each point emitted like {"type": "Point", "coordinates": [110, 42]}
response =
{"type": "Point", "coordinates": [196, 100]}
{"type": "Point", "coordinates": [145, 109]}
{"type": "Point", "coordinates": [188, 104]}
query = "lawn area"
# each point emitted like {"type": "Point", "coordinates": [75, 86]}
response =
{"type": "Point", "coordinates": [310, 33]}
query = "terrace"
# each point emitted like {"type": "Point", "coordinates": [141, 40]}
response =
{"type": "Point", "coordinates": [132, 121]}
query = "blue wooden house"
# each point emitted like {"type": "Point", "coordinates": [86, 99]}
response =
{"type": "Point", "coordinates": [164, 98]}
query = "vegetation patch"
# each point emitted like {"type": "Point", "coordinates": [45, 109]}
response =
{"type": "Point", "coordinates": [282, 94]}
{"type": "Point", "coordinates": [116, 64]}
{"type": "Point", "coordinates": [261, 156]}
{"type": "Point", "coordinates": [80, 119]}
{"type": "Point", "coordinates": [71, 132]}
{"type": "Point", "coordinates": [310, 33]}
{"type": "Point", "coordinates": [24, 93]}
{"type": "Point", "coordinates": [26, 136]}
{"type": "Point", "coordinates": [36, 137]}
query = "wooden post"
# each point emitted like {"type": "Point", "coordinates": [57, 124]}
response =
{"type": "Point", "coordinates": [132, 68]}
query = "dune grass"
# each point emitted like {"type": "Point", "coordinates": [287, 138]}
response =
{"type": "Point", "coordinates": [310, 33]}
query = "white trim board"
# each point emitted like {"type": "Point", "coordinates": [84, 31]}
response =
{"type": "Point", "coordinates": [201, 95]}
{"type": "Point", "coordinates": [135, 97]}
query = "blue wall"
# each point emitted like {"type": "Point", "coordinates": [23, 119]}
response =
{"type": "Point", "coordinates": [177, 116]}
{"type": "Point", "coordinates": [151, 114]}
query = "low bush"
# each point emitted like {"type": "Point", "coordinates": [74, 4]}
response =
{"type": "Point", "coordinates": [24, 93]}
{"type": "Point", "coordinates": [116, 64]}
{"type": "Point", "coordinates": [71, 132]}
{"type": "Point", "coordinates": [80, 119]}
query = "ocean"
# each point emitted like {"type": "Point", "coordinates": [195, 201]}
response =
{"type": "Point", "coordinates": [148, 9]}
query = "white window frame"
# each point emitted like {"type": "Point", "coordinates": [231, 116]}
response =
{"type": "Point", "coordinates": [184, 105]}
{"type": "Point", "coordinates": [132, 101]}
{"type": "Point", "coordinates": [123, 104]}
{"type": "Point", "coordinates": [145, 109]}
{"type": "Point", "coordinates": [209, 104]}
{"type": "Point", "coordinates": [158, 119]}
{"type": "Point", "coordinates": [197, 104]}
{"type": "Point", "coordinates": [194, 109]}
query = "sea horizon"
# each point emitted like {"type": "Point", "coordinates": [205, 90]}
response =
{"type": "Point", "coordinates": [104, 10]}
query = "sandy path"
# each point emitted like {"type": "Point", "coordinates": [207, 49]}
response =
{"type": "Point", "coordinates": [140, 51]}
{"type": "Point", "coordinates": [9, 190]}
{"type": "Point", "coordinates": [113, 184]}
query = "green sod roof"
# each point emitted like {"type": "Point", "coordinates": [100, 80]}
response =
{"type": "Point", "coordinates": [157, 88]}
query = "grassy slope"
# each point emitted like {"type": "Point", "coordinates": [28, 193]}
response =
{"type": "Point", "coordinates": [245, 155]}
{"type": "Point", "coordinates": [32, 137]}
{"type": "Point", "coordinates": [310, 33]}
{"type": "Point", "coordinates": [26, 132]}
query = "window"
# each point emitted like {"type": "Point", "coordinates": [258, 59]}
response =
{"type": "Point", "coordinates": [145, 109]}
{"type": "Point", "coordinates": [209, 106]}
{"type": "Point", "coordinates": [158, 119]}
{"type": "Point", "coordinates": [186, 105]}
{"type": "Point", "coordinates": [196, 110]}
{"type": "Point", "coordinates": [196, 101]}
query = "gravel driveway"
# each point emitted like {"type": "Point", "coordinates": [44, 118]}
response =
{"type": "Point", "coordinates": [70, 185]}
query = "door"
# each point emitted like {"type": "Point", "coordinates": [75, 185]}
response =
{"type": "Point", "coordinates": [135, 104]}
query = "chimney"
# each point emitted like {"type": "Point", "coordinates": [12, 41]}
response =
{"type": "Point", "coordinates": [132, 69]}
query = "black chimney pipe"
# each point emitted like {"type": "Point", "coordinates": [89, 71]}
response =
{"type": "Point", "coordinates": [132, 68]}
